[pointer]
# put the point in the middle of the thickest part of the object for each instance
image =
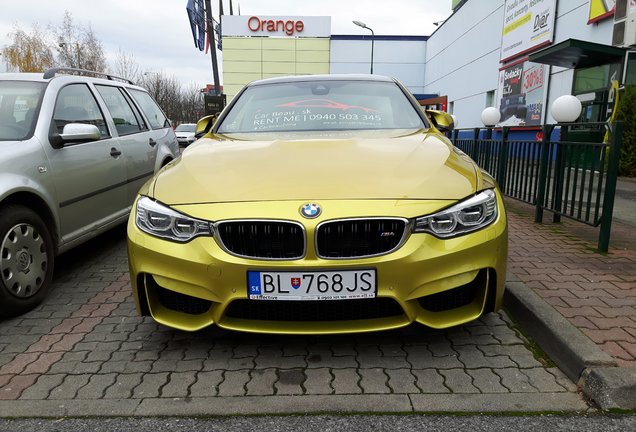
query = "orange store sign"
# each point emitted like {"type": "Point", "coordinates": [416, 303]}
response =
{"type": "Point", "coordinates": [290, 27]}
{"type": "Point", "coordinates": [276, 26]}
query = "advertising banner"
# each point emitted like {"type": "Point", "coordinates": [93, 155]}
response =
{"type": "Point", "coordinates": [601, 9]}
{"type": "Point", "coordinates": [521, 94]}
{"type": "Point", "coordinates": [527, 25]}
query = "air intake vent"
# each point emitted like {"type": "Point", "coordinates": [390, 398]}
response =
{"type": "Point", "coordinates": [262, 239]}
{"type": "Point", "coordinates": [359, 238]}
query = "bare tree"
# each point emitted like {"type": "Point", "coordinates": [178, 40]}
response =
{"type": "Point", "coordinates": [78, 47]}
{"type": "Point", "coordinates": [166, 90]}
{"type": "Point", "coordinates": [28, 52]}
{"type": "Point", "coordinates": [192, 106]}
{"type": "Point", "coordinates": [125, 66]}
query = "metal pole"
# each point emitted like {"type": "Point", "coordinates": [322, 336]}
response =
{"type": "Point", "coordinates": [544, 161]}
{"type": "Point", "coordinates": [559, 174]}
{"type": "Point", "coordinates": [610, 188]}
{"type": "Point", "coordinates": [372, 43]}
{"type": "Point", "coordinates": [215, 64]}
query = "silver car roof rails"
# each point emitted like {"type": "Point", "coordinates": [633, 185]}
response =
{"type": "Point", "coordinates": [50, 73]}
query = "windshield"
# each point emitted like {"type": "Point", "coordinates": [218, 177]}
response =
{"type": "Point", "coordinates": [321, 106]}
{"type": "Point", "coordinates": [186, 127]}
{"type": "Point", "coordinates": [19, 102]}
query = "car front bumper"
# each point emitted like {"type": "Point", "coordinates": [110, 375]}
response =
{"type": "Point", "coordinates": [438, 283]}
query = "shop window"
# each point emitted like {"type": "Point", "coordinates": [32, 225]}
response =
{"type": "Point", "coordinates": [630, 75]}
{"type": "Point", "coordinates": [490, 98]}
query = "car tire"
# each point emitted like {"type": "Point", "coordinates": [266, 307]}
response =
{"type": "Point", "coordinates": [26, 260]}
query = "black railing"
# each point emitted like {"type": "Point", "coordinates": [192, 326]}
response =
{"type": "Point", "coordinates": [569, 176]}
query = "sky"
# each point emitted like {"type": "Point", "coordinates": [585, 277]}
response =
{"type": "Point", "coordinates": [157, 33]}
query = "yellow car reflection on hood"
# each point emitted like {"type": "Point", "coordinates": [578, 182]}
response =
{"type": "Point", "coordinates": [319, 204]}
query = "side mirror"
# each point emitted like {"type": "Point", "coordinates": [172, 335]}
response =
{"type": "Point", "coordinates": [441, 120]}
{"type": "Point", "coordinates": [74, 133]}
{"type": "Point", "coordinates": [204, 126]}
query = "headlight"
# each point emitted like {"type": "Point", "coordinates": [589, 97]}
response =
{"type": "Point", "coordinates": [469, 215]}
{"type": "Point", "coordinates": [162, 221]}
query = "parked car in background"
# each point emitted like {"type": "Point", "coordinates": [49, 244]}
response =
{"type": "Point", "coordinates": [319, 204]}
{"type": "Point", "coordinates": [75, 147]}
{"type": "Point", "coordinates": [185, 133]}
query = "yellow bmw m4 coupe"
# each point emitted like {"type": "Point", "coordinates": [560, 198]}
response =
{"type": "Point", "coordinates": [315, 205]}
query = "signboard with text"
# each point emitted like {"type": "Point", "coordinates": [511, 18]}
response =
{"type": "Point", "coordinates": [527, 25]}
{"type": "Point", "coordinates": [521, 94]}
{"type": "Point", "coordinates": [277, 26]}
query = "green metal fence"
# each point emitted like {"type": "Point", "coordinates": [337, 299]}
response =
{"type": "Point", "coordinates": [573, 179]}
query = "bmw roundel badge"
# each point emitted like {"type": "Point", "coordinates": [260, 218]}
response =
{"type": "Point", "coordinates": [310, 210]}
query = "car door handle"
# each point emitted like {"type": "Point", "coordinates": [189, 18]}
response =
{"type": "Point", "coordinates": [114, 152]}
{"type": "Point", "coordinates": [152, 142]}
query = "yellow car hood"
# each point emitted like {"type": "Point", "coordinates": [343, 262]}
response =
{"type": "Point", "coordinates": [220, 169]}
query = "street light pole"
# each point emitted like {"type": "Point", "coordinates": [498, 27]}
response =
{"type": "Point", "coordinates": [363, 25]}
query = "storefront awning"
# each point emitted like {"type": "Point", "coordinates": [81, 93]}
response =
{"type": "Point", "coordinates": [577, 54]}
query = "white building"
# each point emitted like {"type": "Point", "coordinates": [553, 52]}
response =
{"type": "Point", "coordinates": [479, 57]}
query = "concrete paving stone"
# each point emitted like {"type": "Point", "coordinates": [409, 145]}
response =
{"type": "Point", "coordinates": [374, 380]}
{"type": "Point", "coordinates": [101, 356]}
{"type": "Point", "coordinates": [392, 350]}
{"type": "Point", "coordinates": [468, 339]}
{"type": "Point", "coordinates": [493, 319]}
{"type": "Point", "coordinates": [430, 381]}
{"type": "Point", "coordinates": [264, 361]}
{"type": "Point", "coordinates": [43, 363]}
{"type": "Point", "coordinates": [150, 385]}
{"type": "Point", "coordinates": [76, 367]}
{"type": "Point", "coordinates": [164, 366]}
{"type": "Point", "coordinates": [233, 383]}
{"type": "Point", "coordinates": [458, 381]}
{"type": "Point", "coordinates": [245, 350]}
{"type": "Point", "coordinates": [369, 361]}
{"type": "Point", "coordinates": [42, 387]}
{"type": "Point", "coordinates": [519, 354]}
{"type": "Point", "coordinates": [290, 382]}
{"type": "Point", "coordinates": [442, 349]}
{"type": "Point", "coordinates": [86, 346]}
{"type": "Point", "coordinates": [343, 350]}
{"type": "Point", "coordinates": [16, 384]}
{"type": "Point", "coordinates": [17, 365]}
{"type": "Point", "coordinates": [318, 381]}
{"type": "Point", "coordinates": [345, 381]}
{"type": "Point", "coordinates": [420, 357]}
{"type": "Point", "coordinates": [123, 386]}
{"type": "Point", "coordinates": [543, 381]}
{"type": "Point", "coordinates": [6, 358]}
{"type": "Point", "coordinates": [294, 349]}
{"type": "Point", "coordinates": [261, 382]}
{"type": "Point", "coordinates": [479, 330]}
{"type": "Point", "coordinates": [473, 357]}
{"type": "Point", "coordinates": [515, 380]}
{"type": "Point", "coordinates": [146, 354]}
{"type": "Point", "coordinates": [486, 381]}
{"type": "Point", "coordinates": [368, 351]}
{"type": "Point", "coordinates": [206, 384]}
{"type": "Point", "coordinates": [96, 386]}
{"type": "Point", "coordinates": [69, 387]}
{"type": "Point", "coordinates": [402, 381]}
{"type": "Point", "coordinates": [127, 366]}
{"type": "Point", "coordinates": [330, 361]}
{"type": "Point", "coordinates": [189, 365]}
{"type": "Point", "coordinates": [196, 353]}
{"type": "Point", "coordinates": [178, 384]}
{"type": "Point", "coordinates": [506, 336]}
{"type": "Point", "coordinates": [231, 364]}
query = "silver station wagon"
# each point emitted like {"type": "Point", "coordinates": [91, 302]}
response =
{"type": "Point", "coordinates": [75, 147]}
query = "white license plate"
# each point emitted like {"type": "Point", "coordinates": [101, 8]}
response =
{"type": "Point", "coordinates": [314, 285]}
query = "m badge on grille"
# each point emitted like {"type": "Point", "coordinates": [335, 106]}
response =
{"type": "Point", "coordinates": [310, 210]}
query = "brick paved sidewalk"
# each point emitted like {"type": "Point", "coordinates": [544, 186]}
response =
{"type": "Point", "coordinates": [85, 352]}
{"type": "Point", "coordinates": [595, 292]}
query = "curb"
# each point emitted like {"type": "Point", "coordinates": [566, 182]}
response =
{"type": "Point", "coordinates": [597, 373]}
